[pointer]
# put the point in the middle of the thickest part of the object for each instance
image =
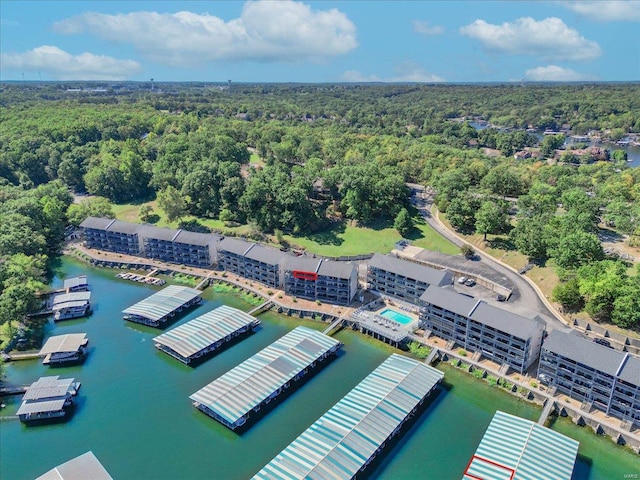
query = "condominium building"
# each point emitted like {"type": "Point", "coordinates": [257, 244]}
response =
{"type": "Point", "coordinates": [111, 235]}
{"type": "Point", "coordinates": [179, 246]}
{"type": "Point", "coordinates": [165, 244]}
{"type": "Point", "coordinates": [476, 326]}
{"type": "Point", "coordinates": [402, 279]}
{"type": "Point", "coordinates": [319, 279]}
{"type": "Point", "coordinates": [593, 374]}
{"type": "Point", "coordinates": [250, 260]}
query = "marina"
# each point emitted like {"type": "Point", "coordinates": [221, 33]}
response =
{"type": "Point", "coordinates": [181, 442]}
{"type": "Point", "coordinates": [64, 349]}
{"type": "Point", "coordinates": [232, 398]}
{"type": "Point", "coordinates": [159, 308]}
{"type": "Point", "coordinates": [205, 334]}
{"type": "Point", "coordinates": [344, 441]}
{"type": "Point", "coordinates": [49, 398]}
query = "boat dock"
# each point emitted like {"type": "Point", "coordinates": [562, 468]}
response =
{"type": "Point", "coordinates": [345, 440]}
{"type": "Point", "coordinates": [205, 334]}
{"type": "Point", "coordinates": [149, 278]}
{"type": "Point", "coordinates": [64, 349]}
{"type": "Point", "coordinates": [159, 308]}
{"type": "Point", "coordinates": [549, 407]}
{"type": "Point", "coordinates": [235, 396]}
{"type": "Point", "coordinates": [263, 307]}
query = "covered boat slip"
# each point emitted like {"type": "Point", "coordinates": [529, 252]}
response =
{"type": "Point", "coordinates": [64, 348]}
{"type": "Point", "coordinates": [343, 442]}
{"type": "Point", "coordinates": [83, 467]}
{"type": "Point", "coordinates": [514, 448]}
{"type": "Point", "coordinates": [47, 398]}
{"type": "Point", "coordinates": [205, 333]}
{"type": "Point", "coordinates": [159, 307]}
{"type": "Point", "coordinates": [231, 398]}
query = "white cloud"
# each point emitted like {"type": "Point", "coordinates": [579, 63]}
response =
{"type": "Point", "coordinates": [63, 66]}
{"type": "Point", "coordinates": [549, 39]}
{"type": "Point", "coordinates": [405, 72]}
{"type": "Point", "coordinates": [554, 73]}
{"type": "Point", "coordinates": [424, 28]}
{"type": "Point", "coordinates": [607, 11]}
{"type": "Point", "coordinates": [265, 31]}
{"type": "Point", "coordinates": [5, 22]}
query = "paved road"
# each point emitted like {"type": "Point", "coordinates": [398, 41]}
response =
{"type": "Point", "coordinates": [524, 299]}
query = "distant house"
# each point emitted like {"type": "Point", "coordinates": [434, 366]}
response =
{"type": "Point", "coordinates": [522, 155]}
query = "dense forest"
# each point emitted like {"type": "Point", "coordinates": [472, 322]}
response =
{"type": "Point", "coordinates": [326, 154]}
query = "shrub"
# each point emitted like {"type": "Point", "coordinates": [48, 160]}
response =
{"type": "Point", "coordinates": [462, 353]}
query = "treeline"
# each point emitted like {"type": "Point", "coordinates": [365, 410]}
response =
{"type": "Point", "coordinates": [32, 230]}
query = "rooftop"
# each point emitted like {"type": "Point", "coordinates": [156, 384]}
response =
{"type": "Point", "coordinates": [123, 227]}
{"type": "Point", "coordinates": [157, 233]}
{"type": "Point", "coordinates": [197, 238]}
{"type": "Point", "coordinates": [341, 442]}
{"type": "Point", "coordinates": [75, 282]}
{"type": "Point", "coordinates": [234, 245]}
{"type": "Point", "coordinates": [449, 300]}
{"type": "Point", "coordinates": [70, 342]}
{"type": "Point", "coordinates": [97, 223]}
{"type": "Point", "coordinates": [505, 321]}
{"type": "Point", "coordinates": [586, 352]}
{"type": "Point", "coordinates": [331, 268]}
{"type": "Point", "coordinates": [237, 392]}
{"type": "Point", "coordinates": [48, 394]}
{"type": "Point", "coordinates": [516, 448]}
{"type": "Point", "coordinates": [205, 330]}
{"type": "Point", "coordinates": [162, 303]}
{"type": "Point", "coordinates": [411, 270]}
{"type": "Point", "coordinates": [84, 467]}
{"type": "Point", "coordinates": [631, 371]}
{"type": "Point", "coordinates": [270, 256]}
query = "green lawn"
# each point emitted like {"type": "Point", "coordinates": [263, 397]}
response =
{"type": "Point", "coordinates": [346, 239]}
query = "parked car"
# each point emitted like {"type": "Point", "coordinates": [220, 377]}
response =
{"type": "Point", "coordinates": [470, 282]}
{"type": "Point", "coordinates": [461, 280]}
{"type": "Point", "coordinates": [603, 342]}
{"type": "Point", "coordinates": [501, 298]}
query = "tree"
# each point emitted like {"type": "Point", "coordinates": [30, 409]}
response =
{"type": "Point", "coordinates": [92, 207]}
{"type": "Point", "coordinates": [529, 237]}
{"type": "Point", "coordinates": [491, 218]}
{"type": "Point", "coordinates": [502, 181]}
{"type": "Point", "coordinates": [467, 250]}
{"type": "Point", "coordinates": [461, 212]}
{"type": "Point", "coordinates": [403, 222]}
{"type": "Point", "coordinates": [550, 143]}
{"type": "Point", "coordinates": [577, 249]}
{"type": "Point", "coordinates": [568, 295]}
{"type": "Point", "coordinates": [145, 212]}
{"type": "Point", "coordinates": [172, 203]}
{"type": "Point", "coordinates": [626, 307]}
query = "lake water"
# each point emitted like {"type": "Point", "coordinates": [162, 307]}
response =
{"type": "Point", "coordinates": [134, 412]}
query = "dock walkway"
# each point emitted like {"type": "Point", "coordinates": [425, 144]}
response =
{"type": "Point", "coordinates": [548, 408]}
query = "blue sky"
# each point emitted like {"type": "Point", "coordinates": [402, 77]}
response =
{"type": "Point", "coordinates": [321, 41]}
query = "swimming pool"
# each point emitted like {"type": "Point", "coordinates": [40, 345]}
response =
{"type": "Point", "coordinates": [396, 316]}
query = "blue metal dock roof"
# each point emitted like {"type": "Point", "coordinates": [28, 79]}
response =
{"type": "Point", "coordinates": [201, 332]}
{"type": "Point", "coordinates": [514, 448]}
{"type": "Point", "coordinates": [163, 303]}
{"type": "Point", "coordinates": [341, 442]}
{"type": "Point", "coordinates": [234, 394]}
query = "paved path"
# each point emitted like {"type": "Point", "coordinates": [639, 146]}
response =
{"type": "Point", "coordinates": [525, 297]}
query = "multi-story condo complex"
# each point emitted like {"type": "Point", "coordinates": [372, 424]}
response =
{"type": "Point", "coordinates": [112, 235]}
{"type": "Point", "coordinates": [166, 244]}
{"type": "Point", "coordinates": [250, 260]}
{"type": "Point", "coordinates": [402, 279]}
{"type": "Point", "coordinates": [179, 246]}
{"type": "Point", "coordinates": [594, 374]}
{"type": "Point", "coordinates": [476, 326]}
{"type": "Point", "coordinates": [319, 279]}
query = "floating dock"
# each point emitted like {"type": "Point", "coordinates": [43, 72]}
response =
{"type": "Point", "coordinates": [85, 466]}
{"type": "Point", "coordinates": [513, 447]}
{"type": "Point", "coordinates": [156, 310]}
{"type": "Point", "coordinates": [344, 441]}
{"type": "Point", "coordinates": [47, 399]}
{"type": "Point", "coordinates": [205, 334]}
{"type": "Point", "coordinates": [257, 381]}
{"type": "Point", "coordinates": [64, 349]}
{"type": "Point", "coordinates": [71, 305]}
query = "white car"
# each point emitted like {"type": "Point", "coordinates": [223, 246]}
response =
{"type": "Point", "coordinates": [461, 280]}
